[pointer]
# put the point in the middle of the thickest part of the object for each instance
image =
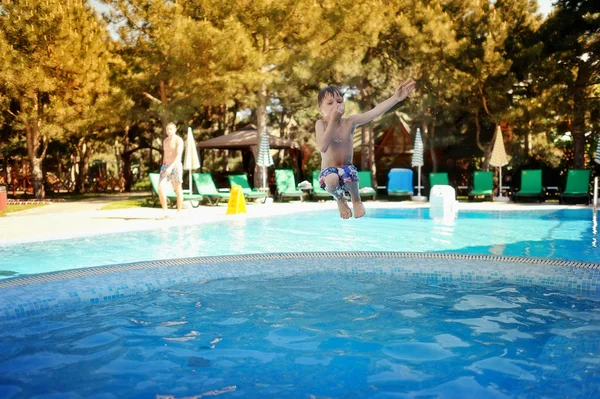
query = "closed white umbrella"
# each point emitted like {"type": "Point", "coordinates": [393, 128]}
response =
{"type": "Point", "coordinates": [417, 160]}
{"type": "Point", "coordinates": [499, 158]}
{"type": "Point", "coordinates": [191, 161]}
{"type": "Point", "coordinates": [597, 158]}
{"type": "Point", "coordinates": [264, 156]}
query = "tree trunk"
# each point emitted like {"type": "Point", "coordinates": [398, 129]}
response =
{"type": "Point", "coordinates": [431, 141]}
{"type": "Point", "coordinates": [578, 126]}
{"type": "Point", "coordinates": [83, 153]}
{"type": "Point", "coordinates": [33, 147]}
{"type": "Point", "coordinates": [487, 148]}
{"type": "Point", "coordinates": [126, 159]}
{"type": "Point", "coordinates": [126, 162]}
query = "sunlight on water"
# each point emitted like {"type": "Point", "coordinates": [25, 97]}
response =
{"type": "Point", "coordinates": [564, 234]}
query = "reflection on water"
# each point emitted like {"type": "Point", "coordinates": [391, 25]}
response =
{"type": "Point", "coordinates": [594, 229]}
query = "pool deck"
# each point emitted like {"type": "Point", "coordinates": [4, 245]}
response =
{"type": "Point", "coordinates": [72, 219]}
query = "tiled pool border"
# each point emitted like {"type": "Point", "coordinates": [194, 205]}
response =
{"type": "Point", "coordinates": [34, 294]}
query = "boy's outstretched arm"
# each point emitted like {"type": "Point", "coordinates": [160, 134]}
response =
{"type": "Point", "coordinates": [401, 93]}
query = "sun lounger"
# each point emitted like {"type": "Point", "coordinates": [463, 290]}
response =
{"type": "Point", "coordinates": [249, 193]}
{"type": "Point", "coordinates": [195, 199]}
{"type": "Point", "coordinates": [577, 188]}
{"type": "Point", "coordinates": [365, 185]}
{"type": "Point", "coordinates": [483, 185]}
{"type": "Point", "coordinates": [400, 183]}
{"type": "Point", "coordinates": [317, 191]}
{"type": "Point", "coordinates": [206, 187]}
{"type": "Point", "coordinates": [440, 178]}
{"type": "Point", "coordinates": [286, 185]}
{"type": "Point", "coordinates": [531, 185]}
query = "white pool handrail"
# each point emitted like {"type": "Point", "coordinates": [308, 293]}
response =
{"type": "Point", "coordinates": [595, 198]}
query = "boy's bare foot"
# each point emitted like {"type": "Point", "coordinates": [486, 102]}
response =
{"type": "Point", "coordinates": [359, 209]}
{"type": "Point", "coordinates": [345, 211]}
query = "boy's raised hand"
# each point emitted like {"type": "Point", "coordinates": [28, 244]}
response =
{"type": "Point", "coordinates": [405, 89]}
{"type": "Point", "coordinates": [336, 113]}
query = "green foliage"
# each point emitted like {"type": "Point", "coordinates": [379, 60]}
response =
{"type": "Point", "coordinates": [198, 62]}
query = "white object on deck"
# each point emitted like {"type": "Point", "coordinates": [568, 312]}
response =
{"type": "Point", "coordinates": [442, 202]}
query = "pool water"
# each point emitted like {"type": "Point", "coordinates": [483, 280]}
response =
{"type": "Point", "coordinates": [325, 335]}
{"type": "Point", "coordinates": [558, 234]}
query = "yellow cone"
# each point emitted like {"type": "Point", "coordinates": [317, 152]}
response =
{"type": "Point", "coordinates": [236, 203]}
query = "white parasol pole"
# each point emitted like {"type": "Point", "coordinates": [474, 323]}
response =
{"type": "Point", "coordinates": [500, 182]}
{"type": "Point", "coordinates": [419, 188]}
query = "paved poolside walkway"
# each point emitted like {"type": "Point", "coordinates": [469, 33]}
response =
{"type": "Point", "coordinates": [70, 219]}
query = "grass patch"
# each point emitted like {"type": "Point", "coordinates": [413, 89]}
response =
{"type": "Point", "coordinates": [134, 202]}
{"type": "Point", "coordinates": [19, 208]}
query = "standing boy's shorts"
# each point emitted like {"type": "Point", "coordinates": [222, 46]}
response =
{"type": "Point", "coordinates": [176, 174]}
{"type": "Point", "coordinates": [346, 174]}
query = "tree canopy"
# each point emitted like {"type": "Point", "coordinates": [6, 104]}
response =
{"type": "Point", "coordinates": [87, 83]}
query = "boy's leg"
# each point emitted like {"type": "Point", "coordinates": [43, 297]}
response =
{"type": "Point", "coordinates": [359, 208]}
{"type": "Point", "coordinates": [332, 185]}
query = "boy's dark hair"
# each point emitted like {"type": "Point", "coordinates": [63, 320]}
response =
{"type": "Point", "coordinates": [331, 90]}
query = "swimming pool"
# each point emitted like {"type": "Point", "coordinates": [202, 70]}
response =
{"type": "Point", "coordinates": [495, 304]}
{"type": "Point", "coordinates": [331, 324]}
{"type": "Point", "coordinates": [567, 234]}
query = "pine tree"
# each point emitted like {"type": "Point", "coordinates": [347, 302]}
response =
{"type": "Point", "coordinates": [571, 45]}
{"type": "Point", "coordinates": [55, 70]}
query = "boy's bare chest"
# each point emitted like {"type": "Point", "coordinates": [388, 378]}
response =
{"type": "Point", "coordinates": [342, 133]}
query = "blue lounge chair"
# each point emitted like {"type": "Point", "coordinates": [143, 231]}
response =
{"type": "Point", "coordinates": [400, 183]}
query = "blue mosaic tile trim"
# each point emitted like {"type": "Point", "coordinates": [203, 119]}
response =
{"type": "Point", "coordinates": [31, 295]}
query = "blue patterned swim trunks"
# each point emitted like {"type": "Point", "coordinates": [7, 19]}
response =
{"type": "Point", "coordinates": [346, 174]}
{"type": "Point", "coordinates": [176, 174]}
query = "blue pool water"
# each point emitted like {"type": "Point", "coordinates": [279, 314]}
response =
{"type": "Point", "coordinates": [559, 234]}
{"type": "Point", "coordinates": [325, 335]}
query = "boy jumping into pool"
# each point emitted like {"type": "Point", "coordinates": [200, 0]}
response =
{"type": "Point", "coordinates": [334, 140]}
{"type": "Point", "coordinates": [171, 171]}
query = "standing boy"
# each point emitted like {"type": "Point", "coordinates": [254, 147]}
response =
{"type": "Point", "coordinates": [334, 140]}
{"type": "Point", "coordinates": [171, 170]}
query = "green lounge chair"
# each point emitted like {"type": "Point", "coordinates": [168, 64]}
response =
{"type": "Point", "coordinates": [317, 191]}
{"type": "Point", "coordinates": [249, 193]}
{"type": "Point", "coordinates": [286, 185]}
{"type": "Point", "coordinates": [365, 185]}
{"type": "Point", "coordinates": [531, 185]}
{"type": "Point", "coordinates": [206, 186]}
{"type": "Point", "coordinates": [483, 185]}
{"type": "Point", "coordinates": [195, 199]}
{"type": "Point", "coordinates": [436, 179]}
{"type": "Point", "coordinates": [578, 186]}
